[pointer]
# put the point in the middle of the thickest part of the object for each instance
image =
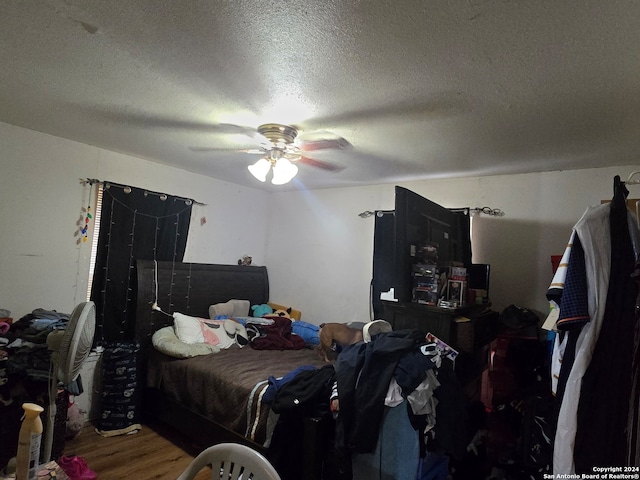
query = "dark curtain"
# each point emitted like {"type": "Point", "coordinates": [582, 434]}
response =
{"type": "Point", "coordinates": [138, 225]}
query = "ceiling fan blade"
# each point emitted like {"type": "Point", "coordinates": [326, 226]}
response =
{"type": "Point", "coordinates": [234, 129]}
{"type": "Point", "coordinates": [125, 116]}
{"type": "Point", "coordinates": [253, 151]}
{"type": "Point", "coordinates": [443, 105]}
{"type": "Point", "coordinates": [338, 143]}
{"type": "Point", "coordinates": [312, 162]}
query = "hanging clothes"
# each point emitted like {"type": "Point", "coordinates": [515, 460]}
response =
{"type": "Point", "coordinates": [369, 367]}
{"type": "Point", "coordinates": [593, 230]}
{"type": "Point", "coordinates": [633, 427]}
{"type": "Point", "coordinates": [603, 411]}
{"type": "Point", "coordinates": [581, 316]}
{"type": "Point", "coordinates": [569, 289]}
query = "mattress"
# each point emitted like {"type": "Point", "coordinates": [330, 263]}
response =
{"type": "Point", "coordinates": [227, 387]}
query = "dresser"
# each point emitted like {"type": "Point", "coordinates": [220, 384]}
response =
{"type": "Point", "coordinates": [480, 326]}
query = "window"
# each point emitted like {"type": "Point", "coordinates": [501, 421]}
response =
{"type": "Point", "coordinates": [94, 237]}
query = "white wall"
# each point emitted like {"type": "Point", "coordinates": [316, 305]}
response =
{"type": "Point", "coordinates": [317, 250]}
{"type": "Point", "coordinates": [320, 258]}
{"type": "Point", "coordinates": [42, 265]}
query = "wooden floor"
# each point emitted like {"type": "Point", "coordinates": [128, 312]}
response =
{"type": "Point", "coordinates": [155, 452]}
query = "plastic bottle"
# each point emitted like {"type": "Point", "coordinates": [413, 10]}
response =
{"type": "Point", "coordinates": [29, 439]}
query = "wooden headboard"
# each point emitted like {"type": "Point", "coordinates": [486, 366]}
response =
{"type": "Point", "coordinates": [190, 288]}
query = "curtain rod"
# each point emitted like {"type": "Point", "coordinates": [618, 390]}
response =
{"type": "Point", "coordinates": [93, 181]}
{"type": "Point", "coordinates": [379, 213]}
{"type": "Point", "coordinates": [494, 212]}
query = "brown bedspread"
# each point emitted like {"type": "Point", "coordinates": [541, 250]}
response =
{"type": "Point", "coordinates": [226, 387]}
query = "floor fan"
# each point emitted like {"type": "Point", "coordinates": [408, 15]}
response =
{"type": "Point", "coordinates": [69, 349]}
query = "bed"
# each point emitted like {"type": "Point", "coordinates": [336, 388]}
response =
{"type": "Point", "coordinates": [213, 398]}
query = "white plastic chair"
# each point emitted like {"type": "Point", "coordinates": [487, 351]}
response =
{"type": "Point", "coordinates": [231, 461]}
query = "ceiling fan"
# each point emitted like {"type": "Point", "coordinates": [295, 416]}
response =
{"type": "Point", "coordinates": [281, 149]}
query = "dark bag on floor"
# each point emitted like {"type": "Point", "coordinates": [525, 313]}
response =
{"type": "Point", "coordinates": [120, 389]}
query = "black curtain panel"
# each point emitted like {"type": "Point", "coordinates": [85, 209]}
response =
{"type": "Point", "coordinates": [135, 225]}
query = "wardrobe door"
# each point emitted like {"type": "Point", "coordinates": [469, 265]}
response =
{"type": "Point", "coordinates": [384, 271]}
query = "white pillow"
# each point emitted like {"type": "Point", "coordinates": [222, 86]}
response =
{"type": "Point", "coordinates": [166, 341]}
{"type": "Point", "coordinates": [189, 329]}
{"type": "Point", "coordinates": [193, 330]}
{"type": "Point", "coordinates": [220, 329]}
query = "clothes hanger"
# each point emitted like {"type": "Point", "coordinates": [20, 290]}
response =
{"type": "Point", "coordinates": [619, 187]}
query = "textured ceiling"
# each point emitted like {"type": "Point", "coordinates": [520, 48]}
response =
{"type": "Point", "coordinates": [421, 89]}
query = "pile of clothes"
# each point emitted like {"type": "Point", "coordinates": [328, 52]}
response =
{"type": "Point", "coordinates": [25, 362]}
{"type": "Point", "coordinates": [23, 350]}
{"type": "Point", "coordinates": [395, 403]}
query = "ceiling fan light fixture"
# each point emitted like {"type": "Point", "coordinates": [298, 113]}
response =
{"type": "Point", "coordinates": [278, 149]}
{"type": "Point", "coordinates": [260, 169]}
{"type": "Point", "coordinates": [283, 172]}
